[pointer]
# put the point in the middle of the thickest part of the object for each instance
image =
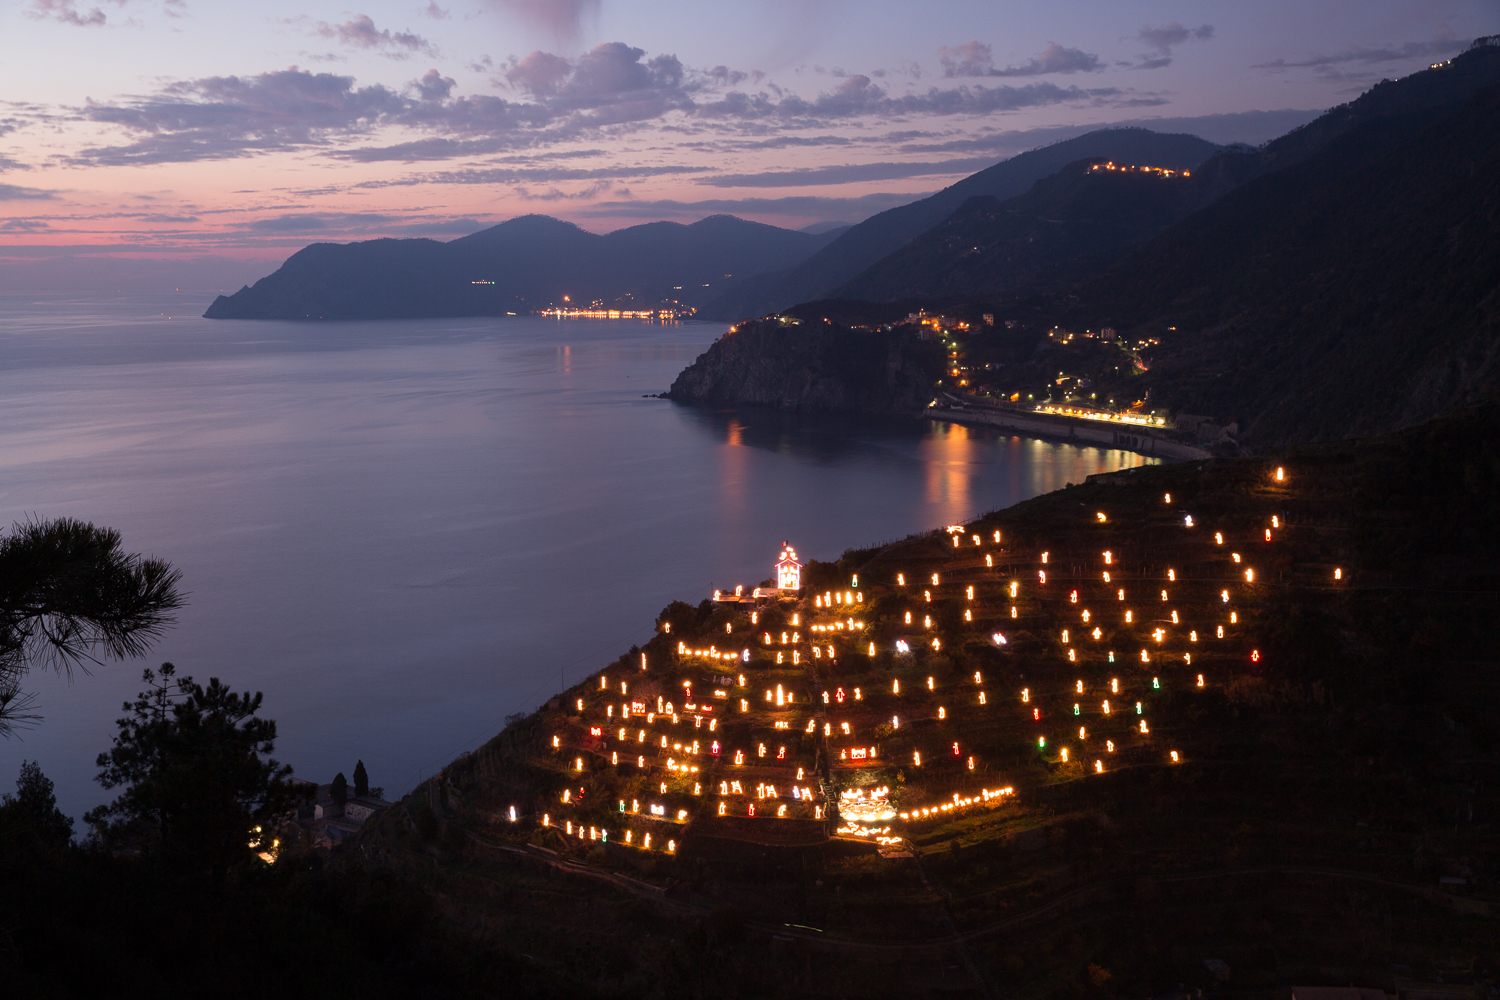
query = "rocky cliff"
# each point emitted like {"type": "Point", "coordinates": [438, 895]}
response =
{"type": "Point", "coordinates": [813, 367]}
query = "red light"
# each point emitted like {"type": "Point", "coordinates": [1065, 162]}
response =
{"type": "Point", "coordinates": [955, 749]}
{"type": "Point", "coordinates": [1254, 656]}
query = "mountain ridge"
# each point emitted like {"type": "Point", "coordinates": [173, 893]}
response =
{"type": "Point", "coordinates": [869, 241]}
{"type": "Point", "coordinates": [523, 264]}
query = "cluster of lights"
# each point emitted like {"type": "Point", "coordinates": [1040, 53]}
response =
{"type": "Point", "coordinates": [866, 813]}
{"type": "Point", "coordinates": [984, 798]}
{"type": "Point", "coordinates": [1112, 167]}
{"type": "Point", "coordinates": [1134, 419]}
{"type": "Point", "coordinates": [560, 313]}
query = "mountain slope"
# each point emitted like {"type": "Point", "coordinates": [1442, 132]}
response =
{"type": "Point", "coordinates": [1354, 292]}
{"type": "Point", "coordinates": [864, 244]}
{"type": "Point", "coordinates": [1068, 227]}
{"type": "Point", "coordinates": [526, 263]}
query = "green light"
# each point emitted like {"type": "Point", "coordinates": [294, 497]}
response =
{"type": "Point", "coordinates": [1155, 684]}
{"type": "Point", "coordinates": [1041, 742]}
{"type": "Point", "coordinates": [1137, 708]}
{"type": "Point", "coordinates": [1075, 708]}
{"type": "Point", "coordinates": [1111, 657]}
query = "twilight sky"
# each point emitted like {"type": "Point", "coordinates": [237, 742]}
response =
{"type": "Point", "coordinates": [226, 136]}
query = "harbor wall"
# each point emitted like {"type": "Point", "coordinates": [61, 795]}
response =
{"type": "Point", "coordinates": [1093, 432]}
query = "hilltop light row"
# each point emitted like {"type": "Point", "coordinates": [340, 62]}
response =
{"type": "Point", "coordinates": [789, 724]}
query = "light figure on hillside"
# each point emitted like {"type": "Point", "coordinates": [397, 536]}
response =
{"type": "Point", "coordinates": [788, 569]}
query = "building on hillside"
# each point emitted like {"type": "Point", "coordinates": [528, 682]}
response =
{"type": "Point", "coordinates": [788, 569]}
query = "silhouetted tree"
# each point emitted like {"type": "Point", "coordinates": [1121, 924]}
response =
{"type": "Point", "coordinates": [361, 779]}
{"type": "Point", "coordinates": [200, 787]}
{"type": "Point", "coordinates": [69, 596]}
{"type": "Point", "coordinates": [339, 790]}
{"type": "Point", "coordinates": [31, 817]}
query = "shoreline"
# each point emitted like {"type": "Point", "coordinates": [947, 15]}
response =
{"type": "Point", "coordinates": [1141, 440]}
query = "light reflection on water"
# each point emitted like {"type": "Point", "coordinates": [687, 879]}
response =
{"type": "Point", "coordinates": [404, 531]}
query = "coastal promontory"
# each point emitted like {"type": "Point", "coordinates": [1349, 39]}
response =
{"type": "Point", "coordinates": [815, 367]}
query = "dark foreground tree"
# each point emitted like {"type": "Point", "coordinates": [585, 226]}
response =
{"type": "Point", "coordinates": [339, 790]}
{"type": "Point", "coordinates": [361, 779]}
{"type": "Point", "coordinates": [30, 818]}
{"type": "Point", "coordinates": [69, 597]}
{"type": "Point", "coordinates": [199, 785]}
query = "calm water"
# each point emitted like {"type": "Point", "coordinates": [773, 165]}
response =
{"type": "Point", "coordinates": [402, 532]}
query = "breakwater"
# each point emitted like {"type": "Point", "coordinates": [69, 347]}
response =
{"type": "Point", "coordinates": [1145, 440]}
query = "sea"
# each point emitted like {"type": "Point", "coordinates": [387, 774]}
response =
{"type": "Point", "coordinates": [404, 531]}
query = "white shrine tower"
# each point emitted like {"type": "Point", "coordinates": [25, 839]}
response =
{"type": "Point", "coordinates": [788, 569]}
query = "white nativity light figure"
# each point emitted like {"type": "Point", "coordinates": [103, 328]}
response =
{"type": "Point", "coordinates": [788, 569]}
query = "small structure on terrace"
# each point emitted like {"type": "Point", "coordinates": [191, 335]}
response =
{"type": "Point", "coordinates": [788, 569]}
